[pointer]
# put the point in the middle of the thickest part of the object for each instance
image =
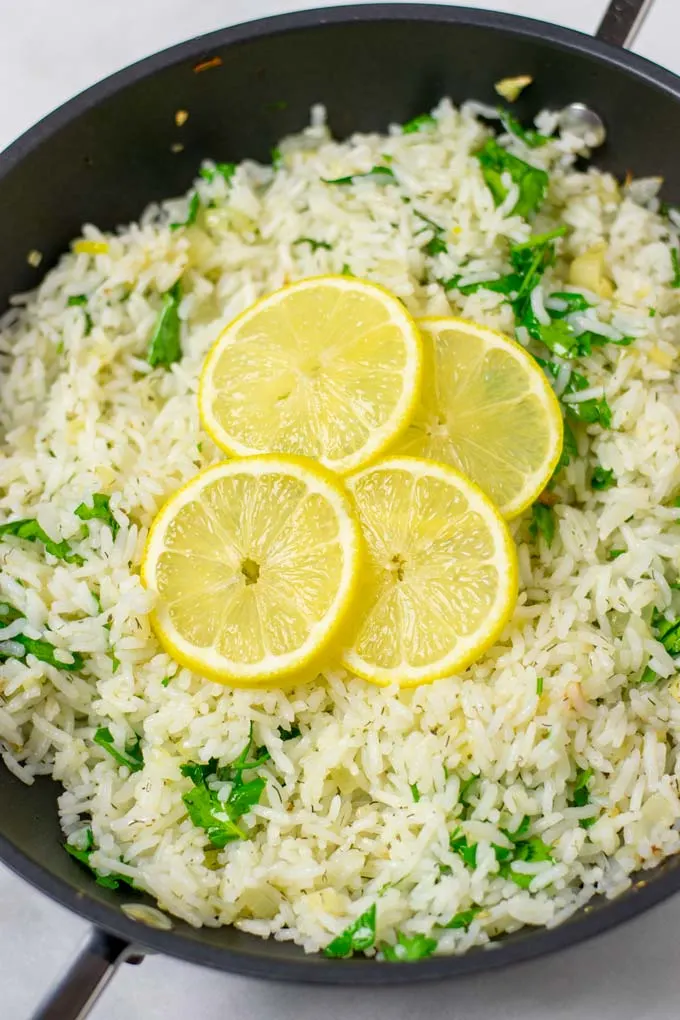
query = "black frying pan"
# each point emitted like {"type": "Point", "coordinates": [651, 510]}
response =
{"type": "Point", "coordinates": [112, 150]}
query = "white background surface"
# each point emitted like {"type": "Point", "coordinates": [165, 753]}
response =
{"type": "Point", "coordinates": [49, 50]}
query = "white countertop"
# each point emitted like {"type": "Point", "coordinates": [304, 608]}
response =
{"type": "Point", "coordinates": [49, 50]}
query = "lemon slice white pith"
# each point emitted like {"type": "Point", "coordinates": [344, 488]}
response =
{"type": "Point", "coordinates": [327, 368]}
{"type": "Point", "coordinates": [255, 564]}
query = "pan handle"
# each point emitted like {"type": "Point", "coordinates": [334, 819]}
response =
{"type": "Point", "coordinates": [87, 977]}
{"type": "Point", "coordinates": [622, 21]}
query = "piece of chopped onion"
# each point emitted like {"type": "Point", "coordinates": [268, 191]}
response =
{"type": "Point", "coordinates": [147, 915]}
{"type": "Point", "coordinates": [511, 88]}
{"type": "Point", "coordinates": [34, 258]}
{"type": "Point", "coordinates": [662, 358]}
{"type": "Point", "coordinates": [588, 270]}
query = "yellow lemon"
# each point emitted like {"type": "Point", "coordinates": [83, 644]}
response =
{"type": "Point", "coordinates": [254, 564]}
{"type": "Point", "coordinates": [441, 580]}
{"type": "Point", "coordinates": [488, 410]}
{"type": "Point", "coordinates": [327, 368]}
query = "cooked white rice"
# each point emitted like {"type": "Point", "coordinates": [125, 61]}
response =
{"type": "Point", "coordinates": [337, 828]}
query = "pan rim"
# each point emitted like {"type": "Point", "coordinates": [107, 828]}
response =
{"type": "Point", "coordinates": [532, 943]}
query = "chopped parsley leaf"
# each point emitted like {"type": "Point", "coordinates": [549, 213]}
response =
{"type": "Point", "coordinates": [667, 632]}
{"type": "Point", "coordinates": [206, 809]}
{"type": "Point", "coordinates": [437, 246]}
{"type": "Point", "coordinates": [164, 346]}
{"type": "Point", "coordinates": [572, 302]}
{"type": "Point", "coordinates": [602, 479]}
{"type": "Point", "coordinates": [426, 219]}
{"type": "Point", "coordinates": [569, 448]}
{"type": "Point", "coordinates": [543, 521]}
{"type": "Point", "coordinates": [468, 851]}
{"type": "Point", "coordinates": [131, 756]}
{"type": "Point", "coordinates": [44, 652]}
{"type": "Point", "coordinates": [614, 554]}
{"type": "Point", "coordinates": [356, 938]}
{"type": "Point", "coordinates": [225, 170]}
{"type": "Point", "coordinates": [675, 262]}
{"type": "Point", "coordinates": [648, 676]}
{"type": "Point", "coordinates": [532, 182]}
{"type": "Point", "coordinates": [378, 173]}
{"type": "Point", "coordinates": [409, 948]}
{"type": "Point", "coordinates": [464, 918]}
{"type": "Point", "coordinates": [29, 530]}
{"type": "Point", "coordinates": [415, 792]}
{"type": "Point", "coordinates": [314, 245]}
{"type": "Point", "coordinates": [290, 734]}
{"type": "Point", "coordinates": [83, 855]}
{"type": "Point", "coordinates": [534, 139]}
{"type": "Point", "coordinates": [80, 300]}
{"type": "Point", "coordinates": [98, 511]}
{"type": "Point", "coordinates": [539, 685]}
{"type": "Point", "coordinates": [192, 212]}
{"type": "Point", "coordinates": [580, 795]}
{"type": "Point", "coordinates": [424, 120]}
{"type": "Point", "coordinates": [530, 851]}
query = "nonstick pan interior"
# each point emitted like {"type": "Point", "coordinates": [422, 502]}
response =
{"type": "Point", "coordinates": [114, 149]}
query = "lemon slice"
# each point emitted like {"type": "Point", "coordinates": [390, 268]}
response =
{"type": "Point", "coordinates": [441, 580]}
{"type": "Point", "coordinates": [328, 368]}
{"type": "Point", "coordinates": [488, 410]}
{"type": "Point", "coordinates": [255, 564]}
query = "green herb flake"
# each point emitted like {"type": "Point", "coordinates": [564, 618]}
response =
{"type": "Point", "coordinates": [415, 792]}
{"type": "Point", "coordinates": [532, 182]}
{"type": "Point", "coordinates": [543, 522]}
{"type": "Point", "coordinates": [437, 246]}
{"type": "Point", "coordinates": [468, 851]}
{"type": "Point", "coordinates": [80, 300]}
{"type": "Point", "coordinates": [98, 511]}
{"type": "Point", "coordinates": [569, 448]}
{"type": "Point", "coordinates": [409, 948]}
{"type": "Point", "coordinates": [313, 244]}
{"type": "Point", "coordinates": [420, 123]}
{"type": "Point", "coordinates": [652, 313]}
{"type": "Point", "coordinates": [430, 223]}
{"type": "Point", "coordinates": [42, 650]}
{"type": "Point", "coordinates": [614, 554]}
{"type": "Point", "coordinates": [595, 411]}
{"type": "Point", "coordinates": [580, 795]}
{"type": "Point", "coordinates": [648, 676]}
{"type": "Point", "coordinates": [82, 855]}
{"type": "Point", "coordinates": [667, 632]}
{"type": "Point", "coordinates": [277, 158]}
{"type": "Point", "coordinates": [378, 173]}
{"type": "Point", "coordinates": [290, 734]}
{"type": "Point", "coordinates": [45, 652]}
{"type": "Point", "coordinates": [464, 918]}
{"type": "Point", "coordinates": [225, 170]}
{"type": "Point", "coordinates": [218, 817]}
{"type": "Point", "coordinates": [356, 938]}
{"type": "Point", "coordinates": [539, 685]}
{"type": "Point", "coordinates": [675, 262]}
{"type": "Point", "coordinates": [573, 303]}
{"type": "Point", "coordinates": [131, 756]}
{"type": "Point", "coordinates": [29, 530]}
{"type": "Point", "coordinates": [530, 850]}
{"type": "Point", "coordinates": [532, 138]}
{"type": "Point", "coordinates": [164, 346]}
{"type": "Point", "coordinates": [602, 479]}
{"type": "Point", "coordinates": [192, 212]}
